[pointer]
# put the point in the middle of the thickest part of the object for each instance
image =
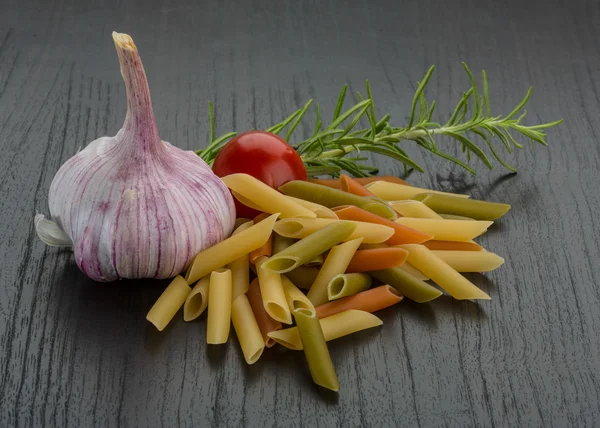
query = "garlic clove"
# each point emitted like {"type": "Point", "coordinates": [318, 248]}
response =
{"type": "Point", "coordinates": [51, 233]}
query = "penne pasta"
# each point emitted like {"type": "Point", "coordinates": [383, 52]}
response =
{"type": "Point", "coordinates": [442, 274]}
{"type": "Point", "coordinates": [315, 349]}
{"type": "Point", "coordinates": [371, 300]}
{"type": "Point", "coordinates": [413, 209]}
{"type": "Point", "coordinates": [302, 227]}
{"type": "Point", "coordinates": [271, 289]}
{"type": "Point", "coordinates": [470, 261]}
{"type": "Point", "coordinates": [319, 210]}
{"type": "Point", "coordinates": [398, 192]}
{"type": "Point", "coordinates": [401, 235]}
{"type": "Point", "coordinates": [349, 185]}
{"type": "Point", "coordinates": [219, 307]}
{"type": "Point", "coordinates": [296, 299]}
{"type": "Point", "coordinates": [364, 246]}
{"type": "Point", "coordinates": [407, 285]}
{"type": "Point", "coordinates": [256, 194]}
{"type": "Point", "coordinates": [240, 267]}
{"type": "Point", "coordinates": [265, 323]}
{"type": "Point", "coordinates": [336, 262]}
{"type": "Point", "coordinates": [316, 262]}
{"type": "Point", "coordinates": [452, 245]}
{"type": "Point", "coordinates": [447, 230]}
{"type": "Point", "coordinates": [169, 302]}
{"type": "Point", "coordinates": [280, 243]}
{"type": "Point", "coordinates": [240, 275]}
{"type": "Point", "coordinates": [376, 259]}
{"type": "Point", "coordinates": [330, 198]}
{"type": "Point", "coordinates": [310, 247]}
{"type": "Point", "coordinates": [347, 284]}
{"type": "Point", "coordinates": [411, 270]}
{"type": "Point", "coordinates": [334, 326]}
{"type": "Point", "coordinates": [246, 201]}
{"type": "Point", "coordinates": [230, 249]}
{"type": "Point", "coordinates": [246, 329]}
{"type": "Point", "coordinates": [264, 250]}
{"type": "Point", "coordinates": [303, 276]}
{"type": "Point", "coordinates": [335, 183]}
{"type": "Point", "coordinates": [197, 300]}
{"type": "Point", "coordinates": [477, 210]}
{"type": "Point", "coordinates": [239, 221]}
{"type": "Point", "coordinates": [455, 217]}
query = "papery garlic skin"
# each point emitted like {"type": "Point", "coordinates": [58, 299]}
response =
{"type": "Point", "coordinates": [132, 205]}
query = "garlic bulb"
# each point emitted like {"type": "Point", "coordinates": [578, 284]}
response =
{"type": "Point", "coordinates": [133, 206]}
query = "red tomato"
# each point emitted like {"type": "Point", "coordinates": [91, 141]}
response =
{"type": "Point", "coordinates": [264, 156]}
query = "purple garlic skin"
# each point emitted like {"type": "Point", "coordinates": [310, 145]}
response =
{"type": "Point", "coordinates": [132, 205]}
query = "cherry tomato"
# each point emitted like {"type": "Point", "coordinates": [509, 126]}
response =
{"type": "Point", "coordinates": [263, 155]}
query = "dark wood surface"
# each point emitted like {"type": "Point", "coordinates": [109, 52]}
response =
{"type": "Point", "coordinates": [77, 353]}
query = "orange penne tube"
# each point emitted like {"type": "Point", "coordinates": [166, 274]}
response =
{"type": "Point", "coordinates": [402, 234]}
{"type": "Point", "coordinates": [376, 259]}
{"type": "Point", "coordinates": [372, 300]}
{"type": "Point", "coordinates": [266, 324]}
{"type": "Point", "coordinates": [453, 246]}
{"type": "Point", "coordinates": [335, 183]}
{"type": "Point", "coordinates": [350, 185]}
{"type": "Point", "coordinates": [267, 248]}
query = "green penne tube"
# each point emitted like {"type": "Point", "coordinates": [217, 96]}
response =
{"type": "Point", "coordinates": [280, 243]}
{"type": "Point", "coordinates": [471, 208]}
{"type": "Point", "coordinates": [317, 261]}
{"type": "Point", "coordinates": [307, 249]}
{"type": "Point", "coordinates": [330, 197]}
{"type": "Point", "coordinates": [406, 284]}
{"type": "Point", "coordinates": [347, 284]}
{"type": "Point", "coordinates": [315, 349]}
{"type": "Point", "coordinates": [303, 276]}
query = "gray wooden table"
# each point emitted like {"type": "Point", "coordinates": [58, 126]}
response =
{"type": "Point", "coordinates": [76, 353]}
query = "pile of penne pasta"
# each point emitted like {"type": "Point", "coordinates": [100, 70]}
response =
{"type": "Point", "coordinates": [324, 256]}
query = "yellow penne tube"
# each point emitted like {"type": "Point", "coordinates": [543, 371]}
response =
{"type": "Point", "coordinates": [447, 230]}
{"type": "Point", "coordinates": [240, 275]}
{"type": "Point", "coordinates": [240, 267]}
{"type": "Point", "coordinates": [413, 209]}
{"type": "Point", "coordinates": [336, 262]}
{"type": "Point", "coordinates": [271, 289]}
{"type": "Point", "coordinates": [247, 330]}
{"type": "Point", "coordinates": [408, 268]}
{"type": "Point", "coordinates": [296, 299]}
{"type": "Point", "coordinates": [169, 302]}
{"type": "Point", "coordinates": [397, 192]}
{"type": "Point", "coordinates": [442, 274]}
{"type": "Point", "coordinates": [470, 261]}
{"type": "Point", "coordinates": [319, 210]}
{"type": "Point", "coordinates": [264, 197]}
{"type": "Point", "coordinates": [197, 300]}
{"type": "Point", "coordinates": [334, 327]}
{"type": "Point", "coordinates": [230, 249]}
{"type": "Point", "coordinates": [302, 227]}
{"type": "Point", "coordinates": [219, 307]}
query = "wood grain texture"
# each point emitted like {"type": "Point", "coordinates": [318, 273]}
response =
{"type": "Point", "coordinates": [76, 353]}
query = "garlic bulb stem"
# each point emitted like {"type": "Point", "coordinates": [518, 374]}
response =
{"type": "Point", "coordinates": [140, 115]}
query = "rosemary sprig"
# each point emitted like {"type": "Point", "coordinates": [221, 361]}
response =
{"type": "Point", "coordinates": [327, 151]}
